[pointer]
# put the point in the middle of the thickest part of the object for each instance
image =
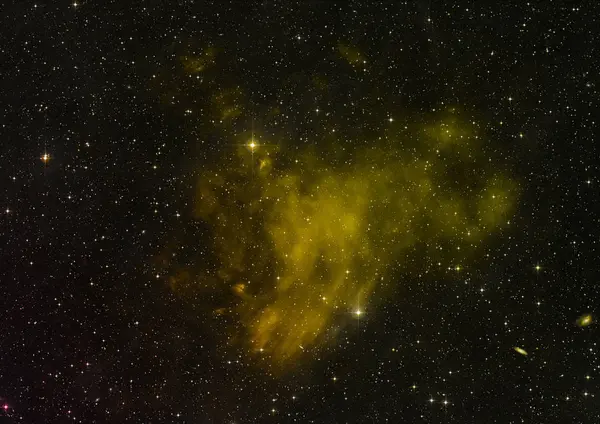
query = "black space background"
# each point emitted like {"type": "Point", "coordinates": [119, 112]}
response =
{"type": "Point", "coordinates": [88, 334]}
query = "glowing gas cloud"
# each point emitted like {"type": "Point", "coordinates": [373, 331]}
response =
{"type": "Point", "coordinates": [305, 240]}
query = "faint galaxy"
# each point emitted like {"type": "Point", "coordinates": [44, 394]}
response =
{"type": "Point", "coordinates": [299, 212]}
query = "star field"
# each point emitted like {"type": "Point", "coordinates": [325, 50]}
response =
{"type": "Point", "coordinates": [299, 212]}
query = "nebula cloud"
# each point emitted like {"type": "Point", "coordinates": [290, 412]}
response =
{"type": "Point", "coordinates": [304, 240]}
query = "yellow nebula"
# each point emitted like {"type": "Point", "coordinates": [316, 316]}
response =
{"type": "Point", "coordinates": [351, 54]}
{"type": "Point", "coordinates": [228, 103]}
{"type": "Point", "coordinates": [196, 64]}
{"type": "Point", "coordinates": [265, 165]}
{"type": "Point", "coordinates": [314, 237]}
{"type": "Point", "coordinates": [239, 288]}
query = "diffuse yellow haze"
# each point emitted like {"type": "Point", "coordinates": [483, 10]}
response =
{"type": "Point", "coordinates": [351, 54]}
{"type": "Point", "coordinates": [196, 64]}
{"type": "Point", "coordinates": [303, 246]}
